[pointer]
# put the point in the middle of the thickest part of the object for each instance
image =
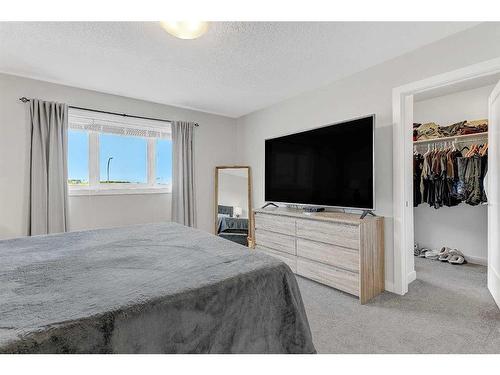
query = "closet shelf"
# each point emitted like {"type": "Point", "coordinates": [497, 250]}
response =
{"type": "Point", "coordinates": [453, 138]}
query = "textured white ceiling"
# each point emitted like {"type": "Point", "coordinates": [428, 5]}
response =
{"type": "Point", "coordinates": [234, 69]}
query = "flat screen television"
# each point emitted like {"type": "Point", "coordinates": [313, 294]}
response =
{"type": "Point", "coordinates": [327, 166]}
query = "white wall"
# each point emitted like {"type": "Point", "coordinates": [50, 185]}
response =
{"type": "Point", "coordinates": [363, 93]}
{"type": "Point", "coordinates": [233, 191]}
{"type": "Point", "coordinates": [462, 227]}
{"type": "Point", "coordinates": [104, 211]}
{"type": "Point", "coordinates": [214, 145]}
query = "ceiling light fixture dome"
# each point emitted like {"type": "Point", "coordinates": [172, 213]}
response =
{"type": "Point", "coordinates": [185, 29]}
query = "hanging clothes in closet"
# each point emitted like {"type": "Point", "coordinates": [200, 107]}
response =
{"type": "Point", "coordinates": [447, 176]}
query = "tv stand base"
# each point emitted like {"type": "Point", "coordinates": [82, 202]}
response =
{"type": "Point", "coordinates": [269, 204]}
{"type": "Point", "coordinates": [367, 212]}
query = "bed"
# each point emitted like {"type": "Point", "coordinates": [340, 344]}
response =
{"type": "Point", "coordinates": [231, 228]}
{"type": "Point", "coordinates": [156, 288]}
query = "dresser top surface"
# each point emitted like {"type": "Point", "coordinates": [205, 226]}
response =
{"type": "Point", "coordinates": [322, 216]}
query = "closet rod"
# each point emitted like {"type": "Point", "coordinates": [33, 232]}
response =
{"type": "Point", "coordinates": [455, 137]}
{"type": "Point", "coordinates": [26, 100]}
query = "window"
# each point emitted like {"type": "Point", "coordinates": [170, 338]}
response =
{"type": "Point", "coordinates": [111, 154]}
{"type": "Point", "coordinates": [78, 158]}
{"type": "Point", "coordinates": [163, 161]}
{"type": "Point", "coordinates": [123, 159]}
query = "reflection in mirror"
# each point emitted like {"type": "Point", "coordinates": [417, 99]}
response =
{"type": "Point", "coordinates": [232, 204]}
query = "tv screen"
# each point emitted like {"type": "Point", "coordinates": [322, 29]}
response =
{"type": "Point", "coordinates": [327, 166]}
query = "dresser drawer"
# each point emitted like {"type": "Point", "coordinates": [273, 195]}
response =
{"type": "Point", "coordinates": [290, 260]}
{"type": "Point", "coordinates": [275, 241]}
{"type": "Point", "coordinates": [335, 277]}
{"type": "Point", "coordinates": [275, 223]}
{"type": "Point", "coordinates": [334, 233]}
{"type": "Point", "coordinates": [329, 254]}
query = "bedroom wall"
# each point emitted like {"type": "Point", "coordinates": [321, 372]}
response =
{"type": "Point", "coordinates": [366, 92]}
{"type": "Point", "coordinates": [214, 145]}
{"type": "Point", "coordinates": [462, 227]}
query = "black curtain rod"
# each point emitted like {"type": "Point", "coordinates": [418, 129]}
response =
{"type": "Point", "coordinates": [25, 100]}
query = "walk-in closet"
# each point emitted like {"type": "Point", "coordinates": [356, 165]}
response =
{"type": "Point", "coordinates": [450, 191]}
{"type": "Point", "coordinates": [450, 154]}
{"type": "Point", "coordinates": [446, 181]}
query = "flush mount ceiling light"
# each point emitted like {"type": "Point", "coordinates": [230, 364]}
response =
{"type": "Point", "coordinates": [185, 29]}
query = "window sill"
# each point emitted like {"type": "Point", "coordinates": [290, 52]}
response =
{"type": "Point", "coordinates": [78, 191]}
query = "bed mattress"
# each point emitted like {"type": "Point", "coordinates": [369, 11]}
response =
{"type": "Point", "coordinates": [156, 288]}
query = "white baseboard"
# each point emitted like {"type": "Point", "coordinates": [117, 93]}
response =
{"type": "Point", "coordinates": [494, 284]}
{"type": "Point", "coordinates": [477, 260]}
{"type": "Point", "coordinates": [389, 286]}
{"type": "Point", "coordinates": [412, 276]}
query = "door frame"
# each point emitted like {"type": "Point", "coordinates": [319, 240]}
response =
{"type": "Point", "coordinates": [402, 107]}
{"type": "Point", "coordinates": [493, 275]}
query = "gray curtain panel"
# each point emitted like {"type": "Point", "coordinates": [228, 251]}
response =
{"type": "Point", "coordinates": [183, 184]}
{"type": "Point", "coordinates": [48, 167]}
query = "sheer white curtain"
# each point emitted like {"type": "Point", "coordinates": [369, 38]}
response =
{"type": "Point", "coordinates": [183, 182]}
{"type": "Point", "coordinates": [48, 167]}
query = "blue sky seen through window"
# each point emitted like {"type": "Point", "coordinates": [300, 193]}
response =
{"type": "Point", "coordinates": [163, 161]}
{"type": "Point", "coordinates": [78, 157]}
{"type": "Point", "coordinates": [127, 159]}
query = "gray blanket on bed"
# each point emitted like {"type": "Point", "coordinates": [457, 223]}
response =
{"type": "Point", "coordinates": [232, 223]}
{"type": "Point", "coordinates": [157, 288]}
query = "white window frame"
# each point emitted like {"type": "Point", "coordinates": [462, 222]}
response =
{"type": "Point", "coordinates": [93, 124]}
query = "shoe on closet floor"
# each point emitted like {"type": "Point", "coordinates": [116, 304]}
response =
{"type": "Point", "coordinates": [456, 257]}
{"type": "Point", "coordinates": [444, 254]}
{"type": "Point", "coordinates": [432, 254]}
{"type": "Point", "coordinates": [416, 250]}
{"type": "Point", "coordinates": [423, 251]}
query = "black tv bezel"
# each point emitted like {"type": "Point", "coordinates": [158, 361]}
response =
{"type": "Point", "coordinates": [372, 116]}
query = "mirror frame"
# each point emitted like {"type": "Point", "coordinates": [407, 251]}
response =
{"type": "Point", "coordinates": [250, 237]}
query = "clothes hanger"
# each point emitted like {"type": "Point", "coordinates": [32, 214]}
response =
{"type": "Point", "coordinates": [467, 155]}
{"type": "Point", "coordinates": [468, 150]}
{"type": "Point", "coordinates": [480, 149]}
{"type": "Point", "coordinates": [484, 149]}
{"type": "Point", "coordinates": [472, 151]}
{"type": "Point", "coordinates": [476, 149]}
{"type": "Point", "coordinates": [465, 148]}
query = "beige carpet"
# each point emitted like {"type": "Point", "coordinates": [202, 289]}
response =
{"type": "Point", "coordinates": [448, 309]}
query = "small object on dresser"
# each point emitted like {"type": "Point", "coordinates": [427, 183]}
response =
{"type": "Point", "coordinates": [238, 211]}
{"type": "Point", "coordinates": [313, 209]}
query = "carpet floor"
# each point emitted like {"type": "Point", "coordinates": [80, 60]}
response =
{"type": "Point", "coordinates": [448, 309]}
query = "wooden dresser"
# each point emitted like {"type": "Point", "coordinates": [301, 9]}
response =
{"type": "Point", "coordinates": [336, 249]}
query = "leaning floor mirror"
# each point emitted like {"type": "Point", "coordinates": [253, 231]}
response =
{"type": "Point", "coordinates": [233, 202]}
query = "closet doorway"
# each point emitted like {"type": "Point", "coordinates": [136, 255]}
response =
{"type": "Point", "coordinates": [468, 224]}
